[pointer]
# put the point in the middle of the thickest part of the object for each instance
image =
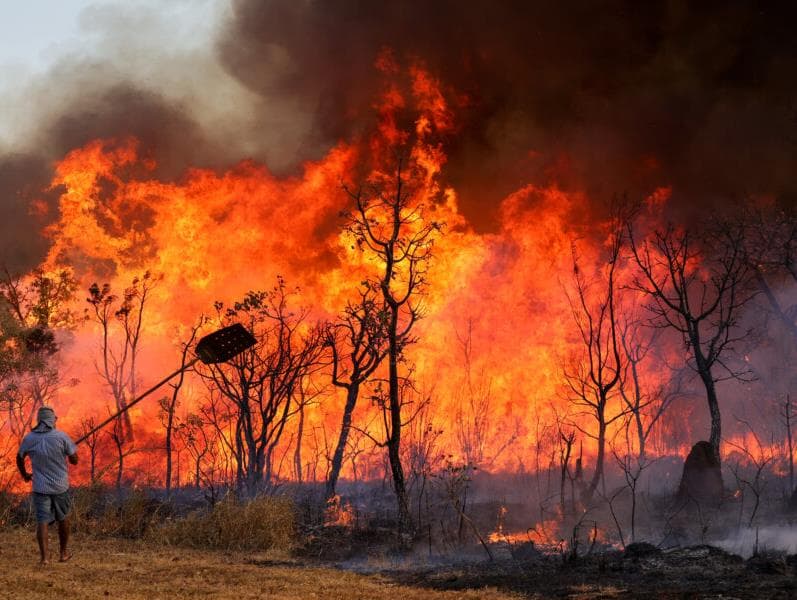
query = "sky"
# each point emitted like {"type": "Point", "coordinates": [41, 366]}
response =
{"type": "Point", "coordinates": [38, 35]}
{"type": "Point", "coordinates": [34, 33]}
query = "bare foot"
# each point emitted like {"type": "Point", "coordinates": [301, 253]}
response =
{"type": "Point", "coordinates": [44, 562]}
{"type": "Point", "coordinates": [65, 557]}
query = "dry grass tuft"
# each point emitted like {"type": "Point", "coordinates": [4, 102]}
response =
{"type": "Point", "coordinates": [260, 524]}
{"type": "Point", "coordinates": [97, 512]}
{"type": "Point", "coordinates": [7, 508]}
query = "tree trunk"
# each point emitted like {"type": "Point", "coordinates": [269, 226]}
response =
{"type": "Point", "coordinates": [120, 471]}
{"type": "Point", "coordinates": [169, 427]}
{"type": "Point", "coordinates": [789, 323]}
{"type": "Point", "coordinates": [714, 410]}
{"type": "Point", "coordinates": [297, 455]}
{"type": "Point", "coordinates": [394, 441]}
{"type": "Point", "coordinates": [352, 392]}
{"type": "Point", "coordinates": [790, 440]}
{"type": "Point", "coordinates": [599, 459]}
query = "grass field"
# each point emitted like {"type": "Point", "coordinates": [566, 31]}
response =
{"type": "Point", "coordinates": [112, 568]}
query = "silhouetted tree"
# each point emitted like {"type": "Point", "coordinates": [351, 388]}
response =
{"type": "Point", "coordinates": [255, 393]}
{"type": "Point", "coordinates": [645, 407]}
{"type": "Point", "coordinates": [697, 286]}
{"type": "Point", "coordinates": [389, 223]}
{"type": "Point", "coordinates": [770, 250]}
{"type": "Point", "coordinates": [358, 342]}
{"type": "Point", "coordinates": [169, 404]}
{"type": "Point", "coordinates": [120, 322]}
{"type": "Point", "coordinates": [592, 378]}
{"type": "Point", "coordinates": [479, 439]}
{"type": "Point", "coordinates": [92, 443]}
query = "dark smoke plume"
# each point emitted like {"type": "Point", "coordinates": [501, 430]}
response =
{"type": "Point", "coordinates": [609, 97]}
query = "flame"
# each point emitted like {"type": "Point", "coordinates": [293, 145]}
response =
{"type": "Point", "coordinates": [214, 235]}
{"type": "Point", "coordinates": [338, 513]}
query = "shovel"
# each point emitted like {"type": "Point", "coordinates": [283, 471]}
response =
{"type": "Point", "coordinates": [219, 346]}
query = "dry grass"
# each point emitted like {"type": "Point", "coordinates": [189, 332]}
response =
{"type": "Point", "coordinates": [261, 524]}
{"type": "Point", "coordinates": [97, 512]}
{"type": "Point", "coordinates": [126, 569]}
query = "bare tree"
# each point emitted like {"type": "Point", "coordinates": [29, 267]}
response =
{"type": "Point", "coordinates": [697, 286]}
{"type": "Point", "coordinates": [566, 441]}
{"type": "Point", "coordinates": [358, 343]}
{"type": "Point", "coordinates": [770, 248]}
{"type": "Point", "coordinates": [201, 439]}
{"type": "Point", "coordinates": [632, 464]}
{"type": "Point", "coordinates": [592, 378]}
{"type": "Point", "coordinates": [169, 404]}
{"type": "Point", "coordinates": [787, 414]}
{"type": "Point", "coordinates": [255, 393]}
{"type": "Point", "coordinates": [423, 458]}
{"type": "Point", "coordinates": [120, 441]}
{"type": "Point", "coordinates": [117, 364]}
{"type": "Point", "coordinates": [389, 223]}
{"type": "Point", "coordinates": [644, 407]}
{"type": "Point", "coordinates": [307, 394]}
{"type": "Point", "coordinates": [758, 457]}
{"type": "Point", "coordinates": [477, 434]}
{"type": "Point", "coordinates": [92, 442]}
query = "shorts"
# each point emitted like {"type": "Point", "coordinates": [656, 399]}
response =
{"type": "Point", "coordinates": [52, 507]}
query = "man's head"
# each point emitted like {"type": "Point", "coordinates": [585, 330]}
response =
{"type": "Point", "coordinates": [47, 417]}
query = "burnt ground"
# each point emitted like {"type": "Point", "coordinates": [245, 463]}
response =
{"type": "Point", "coordinates": [522, 570]}
{"type": "Point", "coordinates": [642, 571]}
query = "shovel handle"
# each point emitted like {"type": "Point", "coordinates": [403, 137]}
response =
{"type": "Point", "coordinates": [135, 401]}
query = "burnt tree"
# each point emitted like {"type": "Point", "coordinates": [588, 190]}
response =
{"type": "Point", "coordinates": [169, 404]}
{"type": "Point", "coordinates": [358, 344]}
{"type": "Point", "coordinates": [87, 428]}
{"type": "Point", "coordinates": [770, 246]}
{"type": "Point", "coordinates": [593, 377]}
{"type": "Point", "coordinates": [255, 394]}
{"type": "Point", "coordinates": [121, 322]}
{"type": "Point", "coordinates": [389, 223]}
{"type": "Point", "coordinates": [645, 407]}
{"type": "Point", "coordinates": [697, 286]}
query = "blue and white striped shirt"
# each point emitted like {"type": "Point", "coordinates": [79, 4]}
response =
{"type": "Point", "coordinates": [48, 451]}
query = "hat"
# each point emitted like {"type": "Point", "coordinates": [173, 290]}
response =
{"type": "Point", "coordinates": [46, 416]}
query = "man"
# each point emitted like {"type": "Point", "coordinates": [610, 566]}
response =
{"type": "Point", "coordinates": [48, 448]}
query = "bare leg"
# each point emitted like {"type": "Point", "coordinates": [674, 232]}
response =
{"type": "Point", "coordinates": [63, 539]}
{"type": "Point", "coordinates": [41, 537]}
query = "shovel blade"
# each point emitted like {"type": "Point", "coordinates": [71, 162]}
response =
{"type": "Point", "coordinates": [222, 345]}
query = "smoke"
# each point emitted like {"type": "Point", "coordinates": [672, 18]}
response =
{"type": "Point", "coordinates": [141, 70]}
{"type": "Point", "coordinates": [761, 539]}
{"type": "Point", "coordinates": [602, 97]}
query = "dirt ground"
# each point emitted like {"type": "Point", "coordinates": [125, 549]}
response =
{"type": "Point", "coordinates": [121, 569]}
